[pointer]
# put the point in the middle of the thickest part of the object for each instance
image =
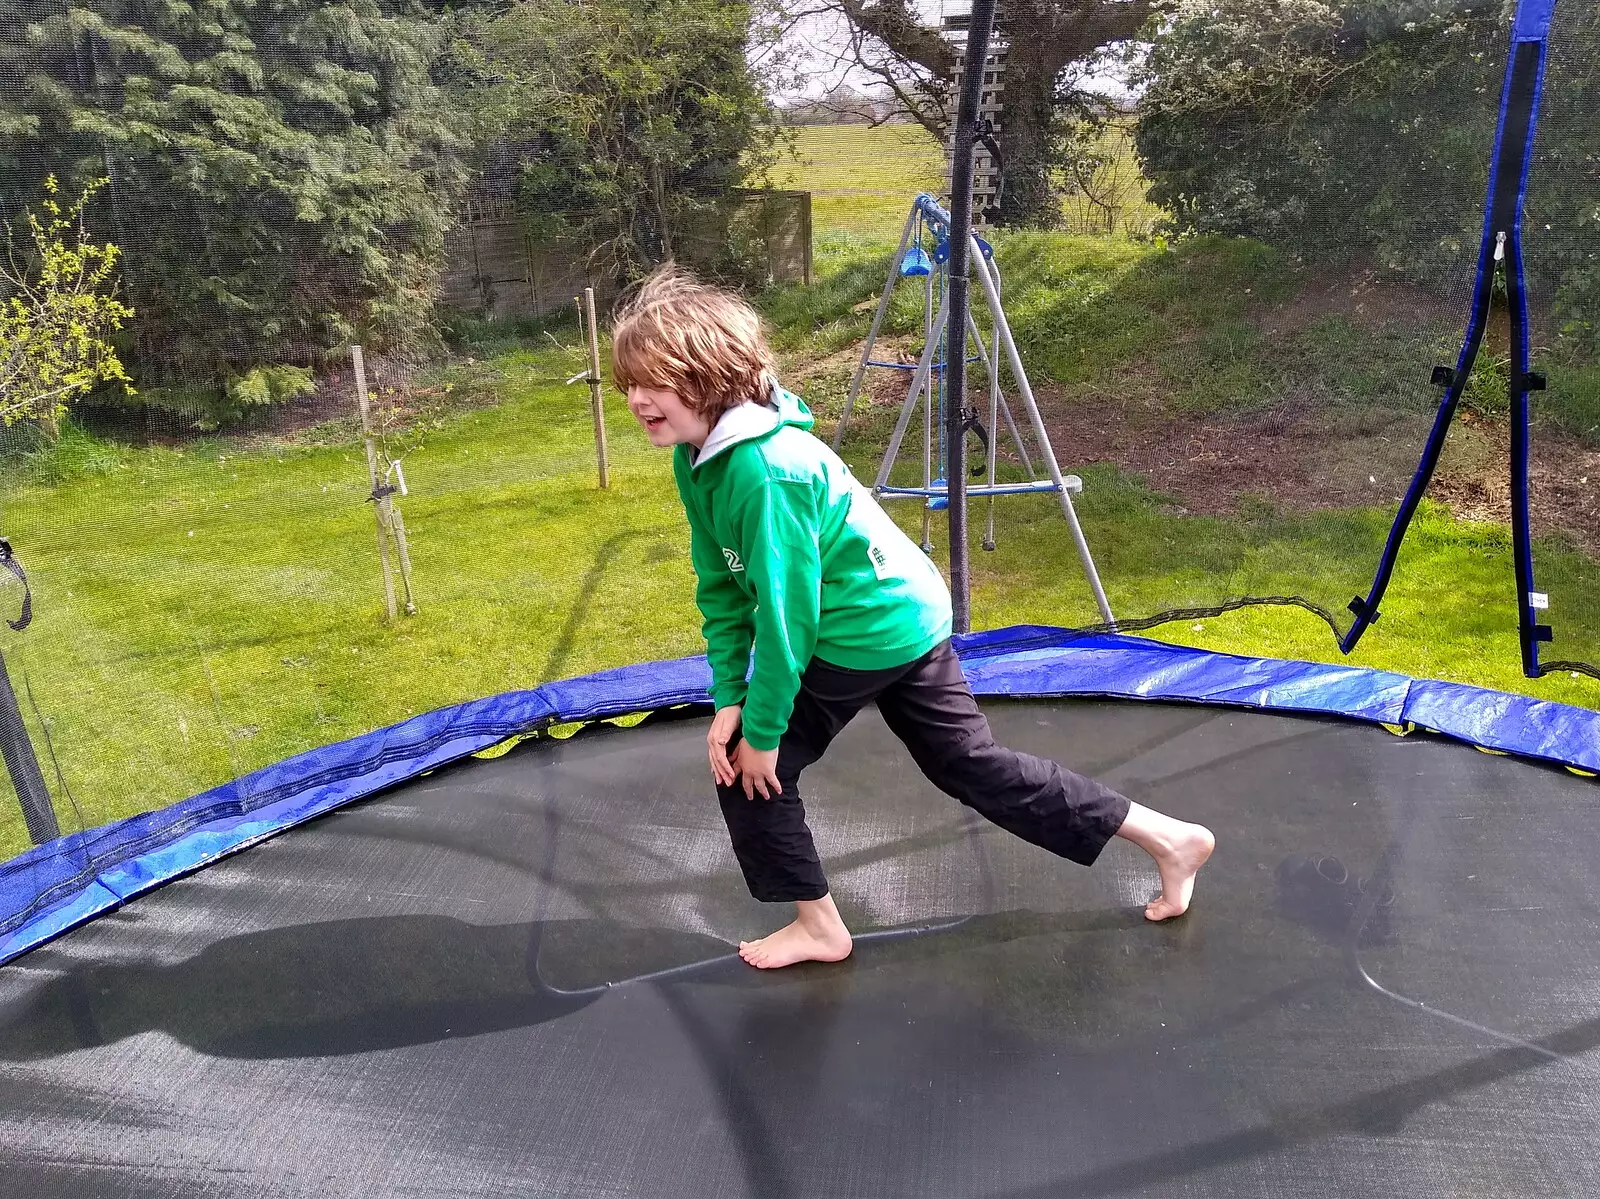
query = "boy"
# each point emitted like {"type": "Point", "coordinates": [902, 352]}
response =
{"type": "Point", "coordinates": [795, 559]}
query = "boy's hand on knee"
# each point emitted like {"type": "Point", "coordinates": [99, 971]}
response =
{"type": "Point", "coordinates": [723, 726]}
{"type": "Point", "coordinates": [760, 770]}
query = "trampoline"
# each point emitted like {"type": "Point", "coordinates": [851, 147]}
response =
{"type": "Point", "coordinates": [515, 975]}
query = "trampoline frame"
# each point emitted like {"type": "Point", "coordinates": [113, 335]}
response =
{"type": "Point", "coordinates": [67, 882]}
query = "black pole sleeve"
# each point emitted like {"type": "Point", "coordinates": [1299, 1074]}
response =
{"type": "Point", "coordinates": [23, 766]}
{"type": "Point", "coordinates": [956, 331]}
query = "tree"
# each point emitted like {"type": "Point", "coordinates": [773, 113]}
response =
{"type": "Point", "coordinates": [59, 312]}
{"type": "Point", "coordinates": [634, 117]}
{"type": "Point", "coordinates": [840, 105]}
{"type": "Point", "coordinates": [281, 175]}
{"type": "Point", "coordinates": [1051, 47]}
{"type": "Point", "coordinates": [1363, 129]}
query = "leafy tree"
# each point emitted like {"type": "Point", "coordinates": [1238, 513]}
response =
{"type": "Point", "coordinates": [1363, 129]}
{"type": "Point", "coordinates": [281, 174]}
{"type": "Point", "coordinates": [59, 312]}
{"type": "Point", "coordinates": [1052, 47]}
{"type": "Point", "coordinates": [633, 117]}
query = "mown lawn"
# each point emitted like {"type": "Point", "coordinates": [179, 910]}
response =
{"type": "Point", "coordinates": [203, 611]}
{"type": "Point", "coordinates": [207, 609]}
{"type": "Point", "coordinates": [862, 180]}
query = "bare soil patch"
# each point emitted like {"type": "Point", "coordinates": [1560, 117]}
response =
{"type": "Point", "coordinates": [331, 409]}
{"type": "Point", "coordinates": [1361, 297]}
{"type": "Point", "coordinates": [1563, 483]}
{"type": "Point", "coordinates": [1292, 455]}
{"type": "Point", "coordinates": [1306, 459]}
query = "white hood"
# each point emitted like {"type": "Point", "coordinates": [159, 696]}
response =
{"type": "Point", "coordinates": [744, 423]}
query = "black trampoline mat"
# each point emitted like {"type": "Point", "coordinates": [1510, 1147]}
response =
{"type": "Point", "coordinates": [410, 997]}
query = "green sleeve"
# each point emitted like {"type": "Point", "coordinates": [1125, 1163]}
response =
{"type": "Point", "coordinates": [780, 529]}
{"type": "Point", "coordinates": [727, 613]}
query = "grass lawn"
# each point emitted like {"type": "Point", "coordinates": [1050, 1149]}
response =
{"type": "Point", "coordinates": [862, 180]}
{"type": "Point", "coordinates": [205, 611]}
{"type": "Point", "coordinates": [208, 609]}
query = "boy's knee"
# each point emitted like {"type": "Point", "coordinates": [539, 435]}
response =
{"type": "Point", "coordinates": [967, 768]}
{"type": "Point", "coordinates": [998, 776]}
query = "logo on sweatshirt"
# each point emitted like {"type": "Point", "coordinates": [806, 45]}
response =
{"type": "Point", "coordinates": [881, 566]}
{"type": "Point", "coordinates": [733, 561]}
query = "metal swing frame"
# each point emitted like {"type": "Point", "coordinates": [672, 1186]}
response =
{"type": "Point", "coordinates": [927, 380]}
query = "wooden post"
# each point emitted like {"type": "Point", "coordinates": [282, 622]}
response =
{"type": "Point", "coordinates": [805, 233]}
{"type": "Point", "coordinates": [372, 474]}
{"type": "Point", "coordinates": [398, 529]}
{"type": "Point", "coordinates": [596, 405]}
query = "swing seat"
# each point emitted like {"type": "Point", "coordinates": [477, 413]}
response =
{"type": "Point", "coordinates": [915, 263]}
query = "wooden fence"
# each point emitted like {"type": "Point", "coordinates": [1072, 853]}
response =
{"type": "Point", "coordinates": [495, 268]}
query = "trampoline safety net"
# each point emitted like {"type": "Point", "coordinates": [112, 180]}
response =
{"type": "Point", "coordinates": [299, 440]}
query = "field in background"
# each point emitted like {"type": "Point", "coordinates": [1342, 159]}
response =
{"type": "Point", "coordinates": [863, 179]}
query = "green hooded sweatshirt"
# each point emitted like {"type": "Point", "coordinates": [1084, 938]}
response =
{"type": "Point", "coordinates": [794, 556]}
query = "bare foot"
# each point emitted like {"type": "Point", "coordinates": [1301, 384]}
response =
{"type": "Point", "coordinates": [1179, 848]}
{"type": "Point", "coordinates": [1179, 862]}
{"type": "Point", "coordinates": [817, 935]}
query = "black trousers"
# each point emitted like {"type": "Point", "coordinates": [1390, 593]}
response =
{"type": "Point", "coordinates": [930, 707]}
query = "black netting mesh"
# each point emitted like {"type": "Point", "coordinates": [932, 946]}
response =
{"type": "Point", "coordinates": [1229, 274]}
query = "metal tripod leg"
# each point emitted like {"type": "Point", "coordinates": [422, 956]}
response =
{"type": "Point", "coordinates": [918, 382]}
{"type": "Point", "coordinates": [992, 367]}
{"type": "Point", "coordinates": [877, 324]}
{"type": "Point", "coordinates": [998, 407]}
{"type": "Point", "coordinates": [995, 403]}
{"type": "Point", "coordinates": [991, 293]}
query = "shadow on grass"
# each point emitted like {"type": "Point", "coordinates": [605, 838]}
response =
{"type": "Point", "coordinates": [557, 662]}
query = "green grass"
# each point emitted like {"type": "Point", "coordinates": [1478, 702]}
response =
{"type": "Point", "coordinates": [205, 611]}
{"type": "Point", "coordinates": [862, 180]}
{"type": "Point", "coordinates": [1572, 404]}
{"type": "Point", "coordinates": [226, 612]}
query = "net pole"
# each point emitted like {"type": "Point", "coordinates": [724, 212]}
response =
{"type": "Point", "coordinates": [360, 364]}
{"type": "Point", "coordinates": [928, 415]}
{"type": "Point", "coordinates": [23, 766]}
{"type": "Point", "coordinates": [957, 298]}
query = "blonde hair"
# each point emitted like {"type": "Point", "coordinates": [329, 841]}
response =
{"type": "Point", "coordinates": [704, 343]}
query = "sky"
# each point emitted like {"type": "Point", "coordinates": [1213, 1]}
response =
{"type": "Point", "coordinates": [817, 41]}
